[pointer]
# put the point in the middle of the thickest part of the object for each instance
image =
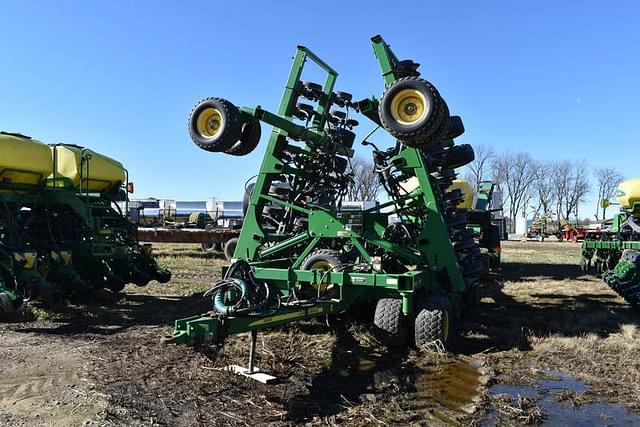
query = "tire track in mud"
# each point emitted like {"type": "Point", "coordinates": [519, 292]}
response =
{"type": "Point", "coordinates": [45, 383]}
{"type": "Point", "coordinates": [23, 387]}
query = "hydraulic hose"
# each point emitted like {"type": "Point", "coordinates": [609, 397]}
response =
{"type": "Point", "coordinates": [240, 294]}
{"type": "Point", "coordinates": [230, 285]}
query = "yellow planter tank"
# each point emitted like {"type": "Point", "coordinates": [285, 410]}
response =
{"type": "Point", "coordinates": [23, 160]}
{"type": "Point", "coordinates": [629, 193]}
{"type": "Point", "coordinates": [85, 169]}
{"type": "Point", "coordinates": [467, 193]}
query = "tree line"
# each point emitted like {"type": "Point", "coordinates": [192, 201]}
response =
{"type": "Point", "coordinates": [532, 188]}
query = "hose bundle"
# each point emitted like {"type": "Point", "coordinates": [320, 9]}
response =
{"type": "Point", "coordinates": [238, 293]}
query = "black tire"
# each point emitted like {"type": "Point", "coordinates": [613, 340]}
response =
{"type": "Point", "coordinates": [221, 130]}
{"type": "Point", "coordinates": [340, 164]}
{"type": "Point", "coordinates": [323, 259]}
{"type": "Point", "coordinates": [474, 294]}
{"type": "Point", "coordinates": [230, 248]}
{"type": "Point", "coordinates": [464, 234]}
{"type": "Point", "coordinates": [456, 219]}
{"type": "Point", "coordinates": [454, 196]}
{"type": "Point", "coordinates": [140, 278]}
{"type": "Point", "coordinates": [464, 245]}
{"type": "Point", "coordinates": [426, 124]}
{"type": "Point", "coordinates": [599, 266]}
{"type": "Point", "coordinates": [343, 137]}
{"type": "Point", "coordinates": [6, 305]}
{"type": "Point", "coordinates": [433, 322]}
{"type": "Point", "coordinates": [456, 127]}
{"type": "Point", "coordinates": [116, 286]}
{"type": "Point", "coordinates": [162, 276]}
{"type": "Point", "coordinates": [208, 247]}
{"type": "Point", "coordinates": [46, 295]}
{"type": "Point", "coordinates": [321, 255]}
{"type": "Point", "coordinates": [474, 268]}
{"type": "Point", "coordinates": [441, 132]}
{"type": "Point", "coordinates": [249, 139]}
{"type": "Point", "coordinates": [584, 265]}
{"type": "Point", "coordinates": [246, 198]}
{"type": "Point", "coordinates": [391, 324]}
{"type": "Point", "coordinates": [459, 155]}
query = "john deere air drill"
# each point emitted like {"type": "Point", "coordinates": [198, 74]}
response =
{"type": "Point", "coordinates": [300, 254]}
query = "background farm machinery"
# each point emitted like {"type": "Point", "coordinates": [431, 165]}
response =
{"type": "Point", "coordinates": [60, 232]}
{"type": "Point", "coordinates": [615, 252]}
{"type": "Point", "coordinates": [209, 223]}
{"type": "Point", "coordinates": [484, 214]}
{"type": "Point", "coordinates": [300, 254]}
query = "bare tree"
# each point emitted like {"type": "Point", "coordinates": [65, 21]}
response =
{"type": "Point", "coordinates": [543, 187]}
{"type": "Point", "coordinates": [571, 186]}
{"type": "Point", "coordinates": [516, 173]}
{"type": "Point", "coordinates": [366, 185]}
{"type": "Point", "coordinates": [608, 180]}
{"type": "Point", "coordinates": [478, 169]}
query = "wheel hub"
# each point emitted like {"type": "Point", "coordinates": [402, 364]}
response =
{"type": "Point", "coordinates": [324, 266]}
{"type": "Point", "coordinates": [409, 106]}
{"type": "Point", "coordinates": [209, 123]}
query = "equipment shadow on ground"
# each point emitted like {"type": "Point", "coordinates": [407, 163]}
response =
{"type": "Point", "coordinates": [505, 321]}
{"type": "Point", "coordinates": [525, 272]}
{"type": "Point", "coordinates": [107, 313]}
{"type": "Point", "coordinates": [352, 375]}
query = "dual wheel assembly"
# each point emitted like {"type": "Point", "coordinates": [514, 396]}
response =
{"type": "Point", "coordinates": [412, 110]}
{"type": "Point", "coordinates": [228, 247]}
{"type": "Point", "coordinates": [431, 324]}
{"type": "Point", "coordinates": [215, 124]}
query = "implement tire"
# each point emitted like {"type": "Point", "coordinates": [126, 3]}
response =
{"type": "Point", "coordinates": [230, 248]}
{"type": "Point", "coordinates": [325, 260]}
{"type": "Point", "coordinates": [6, 305]}
{"type": "Point", "coordinates": [391, 324]}
{"type": "Point", "coordinates": [433, 322]}
{"type": "Point", "coordinates": [249, 139]}
{"type": "Point", "coordinates": [215, 124]}
{"type": "Point", "coordinates": [456, 127]}
{"type": "Point", "coordinates": [459, 155]}
{"type": "Point", "coordinates": [411, 110]}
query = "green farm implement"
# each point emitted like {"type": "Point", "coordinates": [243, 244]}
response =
{"type": "Point", "coordinates": [61, 232]}
{"type": "Point", "coordinates": [481, 221]}
{"type": "Point", "coordinates": [410, 259]}
{"type": "Point", "coordinates": [615, 253]}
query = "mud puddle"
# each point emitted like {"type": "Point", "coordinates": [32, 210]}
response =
{"type": "Point", "coordinates": [555, 398]}
{"type": "Point", "coordinates": [445, 389]}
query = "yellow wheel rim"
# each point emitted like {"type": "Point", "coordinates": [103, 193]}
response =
{"type": "Point", "coordinates": [409, 106]}
{"type": "Point", "coordinates": [324, 266]}
{"type": "Point", "coordinates": [321, 265]}
{"type": "Point", "coordinates": [209, 122]}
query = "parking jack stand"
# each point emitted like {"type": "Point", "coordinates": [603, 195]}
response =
{"type": "Point", "coordinates": [252, 371]}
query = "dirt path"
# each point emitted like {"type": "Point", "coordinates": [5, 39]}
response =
{"type": "Point", "coordinates": [101, 363]}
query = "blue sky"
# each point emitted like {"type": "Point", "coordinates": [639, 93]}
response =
{"type": "Point", "coordinates": [557, 79]}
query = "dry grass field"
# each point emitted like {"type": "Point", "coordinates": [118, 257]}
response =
{"type": "Point", "coordinates": [547, 344]}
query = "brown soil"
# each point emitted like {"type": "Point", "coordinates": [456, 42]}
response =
{"type": "Point", "coordinates": [101, 362]}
